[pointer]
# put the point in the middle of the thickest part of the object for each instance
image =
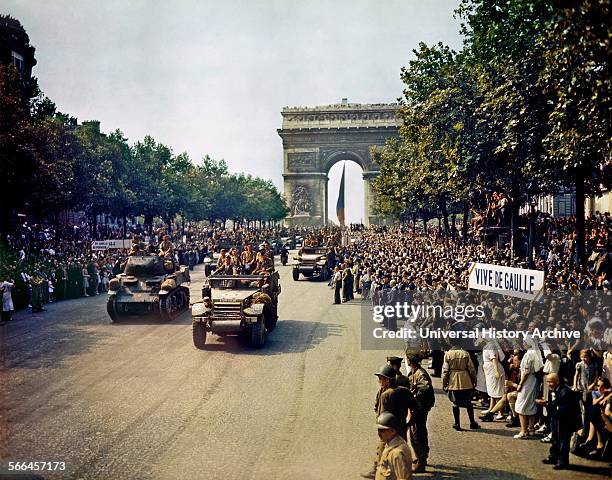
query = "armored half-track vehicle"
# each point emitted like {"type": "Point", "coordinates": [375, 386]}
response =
{"type": "Point", "coordinates": [311, 262]}
{"type": "Point", "coordinates": [149, 285]}
{"type": "Point", "coordinates": [244, 305]}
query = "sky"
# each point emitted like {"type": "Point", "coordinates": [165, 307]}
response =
{"type": "Point", "coordinates": [211, 77]}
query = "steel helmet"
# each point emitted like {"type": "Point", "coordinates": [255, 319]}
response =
{"type": "Point", "coordinates": [386, 371]}
{"type": "Point", "coordinates": [387, 420]}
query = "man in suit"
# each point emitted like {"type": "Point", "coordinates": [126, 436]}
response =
{"type": "Point", "coordinates": [564, 411]}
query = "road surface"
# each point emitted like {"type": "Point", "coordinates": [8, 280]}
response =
{"type": "Point", "coordinates": [136, 400]}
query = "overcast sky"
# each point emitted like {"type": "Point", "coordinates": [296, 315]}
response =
{"type": "Point", "coordinates": [210, 77]}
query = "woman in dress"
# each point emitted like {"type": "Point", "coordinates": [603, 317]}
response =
{"type": "Point", "coordinates": [528, 387]}
{"type": "Point", "coordinates": [6, 287]}
{"type": "Point", "coordinates": [85, 275]}
{"type": "Point", "coordinates": [495, 377]}
{"type": "Point", "coordinates": [105, 279]}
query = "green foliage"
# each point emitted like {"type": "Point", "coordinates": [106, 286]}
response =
{"type": "Point", "coordinates": [523, 108]}
{"type": "Point", "coordinates": [576, 76]}
{"type": "Point", "coordinates": [48, 163]}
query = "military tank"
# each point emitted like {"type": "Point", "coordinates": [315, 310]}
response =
{"type": "Point", "coordinates": [149, 285]}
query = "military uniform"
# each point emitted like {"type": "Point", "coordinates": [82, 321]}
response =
{"type": "Point", "coordinates": [402, 380]}
{"type": "Point", "coordinates": [421, 387]}
{"type": "Point", "coordinates": [36, 300]}
{"type": "Point", "coordinates": [395, 461]}
{"type": "Point", "coordinates": [395, 400]}
{"type": "Point", "coordinates": [136, 249]}
{"type": "Point", "coordinates": [265, 264]}
{"type": "Point", "coordinates": [166, 248]}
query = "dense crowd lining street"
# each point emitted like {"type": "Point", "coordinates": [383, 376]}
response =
{"type": "Point", "coordinates": [136, 400]}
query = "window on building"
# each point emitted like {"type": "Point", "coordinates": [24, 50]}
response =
{"type": "Point", "coordinates": [17, 61]}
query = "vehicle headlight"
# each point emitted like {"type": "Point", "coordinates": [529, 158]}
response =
{"type": "Point", "coordinates": [198, 310]}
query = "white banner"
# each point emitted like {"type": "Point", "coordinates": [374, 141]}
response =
{"type": "Point", "coordinates": [110, 244]}
{"type": "Point", "coordinates": [516, 282]}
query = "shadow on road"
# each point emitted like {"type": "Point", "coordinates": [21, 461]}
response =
{"type": "Point", "coordinates": [604, 471]}
{"type": "Point", "coordinates": [289, 336]}
{"type": "Point", "coordinates": [47, 346]}
{"type": "Point", "coordinates": [183, 319]}
{"type": "Point", "coordinates": [473, 473]}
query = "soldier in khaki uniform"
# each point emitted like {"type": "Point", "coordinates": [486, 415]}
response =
{"type": "Point", "coordinates": [400, 379]}
{"type": "Point", "coordinates": [422, 389]}
{"type": "Point", "coordinates": [166, 247]}
{"type": "Point", "coordinates": [459, 379]}
{"type": "Point", "coordinates": [395, 462]}
{"type": "Point", "coordinates": [265, 264]}
{"type": "Point", "coordinates": [136, 248]}
{"type": "Point", "coordinates": [395, 400]}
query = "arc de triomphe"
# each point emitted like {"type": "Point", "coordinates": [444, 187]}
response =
{"type": "Point", "coordinates": [315, 138]}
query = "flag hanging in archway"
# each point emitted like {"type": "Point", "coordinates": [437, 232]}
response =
{"type": "Point", "coordinates": [340, 203]}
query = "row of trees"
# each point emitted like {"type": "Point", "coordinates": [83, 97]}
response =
{"type": "Point", "coordinates": [523, 108]}
{"type": "Point", "coordinates": [49, 163]}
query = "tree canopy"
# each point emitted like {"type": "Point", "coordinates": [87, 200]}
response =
{"type": "Point", "coordinates": [523, 108]}
{"type": "Point", "coordinates": [49, 163]}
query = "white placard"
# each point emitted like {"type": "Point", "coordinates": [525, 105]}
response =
{"type": "Point", "coordinates": [110, 244]}
{"type": "Point", "coordinates": [516, 282]}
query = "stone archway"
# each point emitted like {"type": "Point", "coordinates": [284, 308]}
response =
{"type": "Point", "coordinates": [315, 138]}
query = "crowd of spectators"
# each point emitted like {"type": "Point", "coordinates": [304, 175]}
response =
{"type": "Point", "coordinates": [389, 264]}
{"type": "Point", "coordinates": [41, 263]}
{"type": "Point", "coordinates": [513, 379]}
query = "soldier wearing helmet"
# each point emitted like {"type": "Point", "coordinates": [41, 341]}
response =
{"type": "Point", "coordinates": [395, 461]}
{"type": "Point", "coordinates": [421, 387]}
{"type": "Point", "coordinates": [395, 400]}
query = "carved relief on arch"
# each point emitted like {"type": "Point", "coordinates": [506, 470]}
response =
{"type": "Point", "coordinates": [302, 161]}
{"type": "Point", "coordinates": [301, 203]}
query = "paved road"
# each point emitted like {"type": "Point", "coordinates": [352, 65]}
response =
{"type": "Point", "coordinates": [136, 400]}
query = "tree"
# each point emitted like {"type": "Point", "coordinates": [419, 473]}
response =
{"type": "Point", "coordinates": [511, 114]}
{"type": "Point", "coordinates": [17, 145]}
{"type": "Point", "coordinates": [576, 72]}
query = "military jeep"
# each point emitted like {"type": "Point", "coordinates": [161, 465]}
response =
{"type": "Point", "coordinates": [244, 305]}
{"type": "Point", "coordinates": [311, 262]}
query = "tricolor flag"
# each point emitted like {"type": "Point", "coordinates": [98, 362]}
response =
{"type": "Point", "coordinates": [340, 203]}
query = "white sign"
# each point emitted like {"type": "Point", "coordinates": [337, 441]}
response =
{"type": "Point", "coordinates": [516, 282]}
{"type": "Point", "coordinates": [110, 244]}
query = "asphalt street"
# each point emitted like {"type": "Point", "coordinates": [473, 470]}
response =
{"type": "Point", "coordinates": [136, 400]}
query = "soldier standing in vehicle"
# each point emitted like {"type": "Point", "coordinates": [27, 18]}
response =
{"type": "Point", "coordinates": [221, 259]}
{"type": "Point", "coordinates": [248, 259]}
{"type": "Point", "coordinates": [422, 389]}
{"type": "Point", "coordinates": [395, 460]}
{"type": "Point", "coordinates": [265, 264]}
{"type": "Point", "coordinates": [136, 248]}
{"type": "Point", "coordinates": [166, 247]}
